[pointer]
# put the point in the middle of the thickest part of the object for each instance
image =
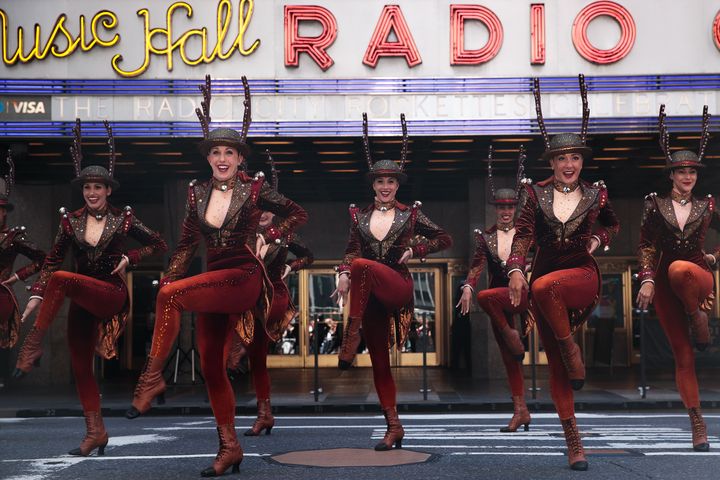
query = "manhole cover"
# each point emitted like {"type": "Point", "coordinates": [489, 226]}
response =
{"type": "Point", "coordinates": [351, 457]}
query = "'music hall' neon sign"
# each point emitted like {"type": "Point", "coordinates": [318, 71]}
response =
{"type": "Point", "coordinates": [166, 41]}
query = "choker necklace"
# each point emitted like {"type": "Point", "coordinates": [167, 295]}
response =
{"type": "Point", "coordinates": [506, 227]}
{"type": "Point", "coordinates": [224, 186]}
{"type": "Point", "coordinates": [565, 187]}
{"type": "Point", "coordinates": [99, 215]}
{"type": "Point", "coordinates": [384, 206]}
{"type": "Point", "coordinates": [681, 198]}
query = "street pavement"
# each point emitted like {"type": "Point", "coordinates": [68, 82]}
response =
{"type": "Point", "coordinates": [651, 445]}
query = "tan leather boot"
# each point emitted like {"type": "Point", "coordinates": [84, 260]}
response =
{"type": "Point", "coordinates": [264, 421]}
{"type": "Point", "coordinates": [150, 385]}
{"type": "Point", "coordinates": [521, 415]}
{"type": "Point", "coordinates": [394, 433]}
{"type": "Point", "coordinates": [229, 454]}
{"type": "Point", "coordinates": [699, 431]}
{"type": "Point", "coordinates": [350, 343]}
{"type": "Point", "coordinates": [576, 453]}
{"type": "Point", "coordinates": [95, 436]}
{"type": "Point", "coordinates": [572, 358]}
{"type": "Point", "coordinates": [30, 352]}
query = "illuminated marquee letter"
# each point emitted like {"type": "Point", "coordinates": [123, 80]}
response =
{"type": "Point", "coordinates": [716, 30]}
{"type": "Point", "coordinates": [313, 46]}
{"type": "Point", "coordinates": [537, 34]}
{"type": "Point", "coordinates": [459, 55]}
{"type": "Point", "coordinates": [392, 19]}
{"type": "Point", "coordinates": [590, 13]}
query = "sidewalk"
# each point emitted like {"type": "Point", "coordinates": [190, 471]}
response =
{"type": "Point", "coordinates": [353, 392]}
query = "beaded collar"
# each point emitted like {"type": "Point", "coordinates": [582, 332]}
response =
{"type": "Point", "coordinates": [565, 187]}
{"type": "Point", "coordinates": [225, 185]}
{"type": "Point", "coordinates": [384, 206]}
{"type": "Point", "coordinates": [681, 198]}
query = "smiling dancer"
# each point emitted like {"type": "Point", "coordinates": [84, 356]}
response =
{"type": "Point", "coordinates": [674, 269]}
{"type": "Point", "coordinates": [99, 303]}
{"type": "Point", "coordinates": [374, 271]}
{"type": "Point", "coordinates": [493, 248]}
{"type": "Point", "coordinates": [235, 292]}
{"type": "Point", "coordinates": [559, 215]}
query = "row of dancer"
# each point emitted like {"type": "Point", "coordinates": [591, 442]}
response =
{"type": "Point", "coordinates": [241, 296]}
{"type": "Point", "coordinates": [565, 219]}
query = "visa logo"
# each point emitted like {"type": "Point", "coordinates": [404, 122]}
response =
{"type": "Point", "coordinates": [28, 107]}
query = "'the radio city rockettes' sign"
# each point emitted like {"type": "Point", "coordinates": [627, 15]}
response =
{"type": "Point", "coordinates": [272, 38]}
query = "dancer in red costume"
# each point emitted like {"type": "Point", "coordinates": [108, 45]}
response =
{"type": "Point", "coordinates": [381, 299]}
{"type": "Point", "coordinates": [282, 311]}
{"type": "Point", "coordinates": [99, 303]}
{"type": "Point", "coordinates": [674, 270]}
{"type": "Point", "coordinates": [493, 248]}
{"type": "Point", "coordinates": [558, 214]}
{"type": "Point", "coordinates": [13, 242]}
{"type": "Point", "coordinates": [235, 292]}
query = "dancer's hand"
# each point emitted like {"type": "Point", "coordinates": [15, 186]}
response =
{"type": "Point", "coordinates": [340, 294]}
{"type": "Point", "coordinates": [30, 308]}
{"type": "Point", "coordinates": [593, 244]}
{"type": "Point", "coordinates": [121, 266]}
{"type": "Point", "coordinates": [709, 259]}
{"type": "Point", "coordinates": [645, 295]}
{"type": "Point", "coordinates": [465, 301]}
{"type": "Point", "coordinates": [517, 286]}
{"type": "Point", "coordinates": [14, 278]}
{"type": "Point", "coordinates": [286, 272]}
{"type": "Point", "coordinates": [261, 247]}
{"type": "Point", "coordinates": [407, 255]}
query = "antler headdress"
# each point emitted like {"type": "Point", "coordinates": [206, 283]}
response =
{"type": "Point", "coordinates": [93, 173]}
{"type": "Point", "coordinates": [223, 136]}
{"type": "Point", "coordinates": [683, 158]}
{"type": "Point", "coordinates": [386, 168]}
{"type": "Point", "coordinates": [564, 142]}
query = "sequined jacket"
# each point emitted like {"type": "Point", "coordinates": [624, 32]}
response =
{"type": "Point", "coordinates": [486, 251]}
{"type": "Point", "coordinates": [100, 260]}
{"type": "Point", "coordinates": [410, 228]}
{"type": "Point", "coordinates": [226, 245]}
{"type": "Point", "coordinates": [14, 241]}
{"type": "Point", "coordinates": [662, 241]}
{"type": "Point", "coordinates": [277, 256]}
{"type": "Point", "coordinates": [560, 245]}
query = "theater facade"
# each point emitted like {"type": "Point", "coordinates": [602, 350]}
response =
{"type": "Point", "coordinates": [460, 71]}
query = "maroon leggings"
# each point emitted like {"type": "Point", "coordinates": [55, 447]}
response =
{"type": "Point", "coordinates": [496, 303]}
{"type": "Point", "coordinates": [258, 348]}
{"type": "Point", "coordinates": [215, 296]}
{"type": "Point", "coordinates": [552, 295]}
{"type": "Point", "coordinates": [678, 293]}
{"type": "Point", "coordinates": [376, 291]}
{"type": "Point", "coordinates": [92, 301]}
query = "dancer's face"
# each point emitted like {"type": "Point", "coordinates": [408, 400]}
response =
{"type": "Point", "coordinates": [567, 167]}
{"type": "Point", "coordinates": [266, 219]}
{"type": "Point", "coordinates": [505, 213]}
{"type": "Point", "coordinates": [385, 188]}
{"type": "Point", "coordinates": [684, 179]}
{"type": "Point", "coordinates": [96, 194]}
{"type": "Point", "coordinates": [224, 162]}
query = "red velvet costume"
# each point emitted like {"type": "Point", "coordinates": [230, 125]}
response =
{"type": "Point", "coordinates": [99, 300]}
{"type": "Point", "coordinates": [14, 242]}
{"type": "Point", "coordinates": [281, 313]}
{"type": "Point", "coordinates": [234, 293]}
{"type": "Point", "coordinates": [381, 291]}
{"type": "Point", "coordinates": [495, 301]}
{"type": "Point", "coordinates": [565, 283]}
{"type": "Point", "coordinates": [674, 260]}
